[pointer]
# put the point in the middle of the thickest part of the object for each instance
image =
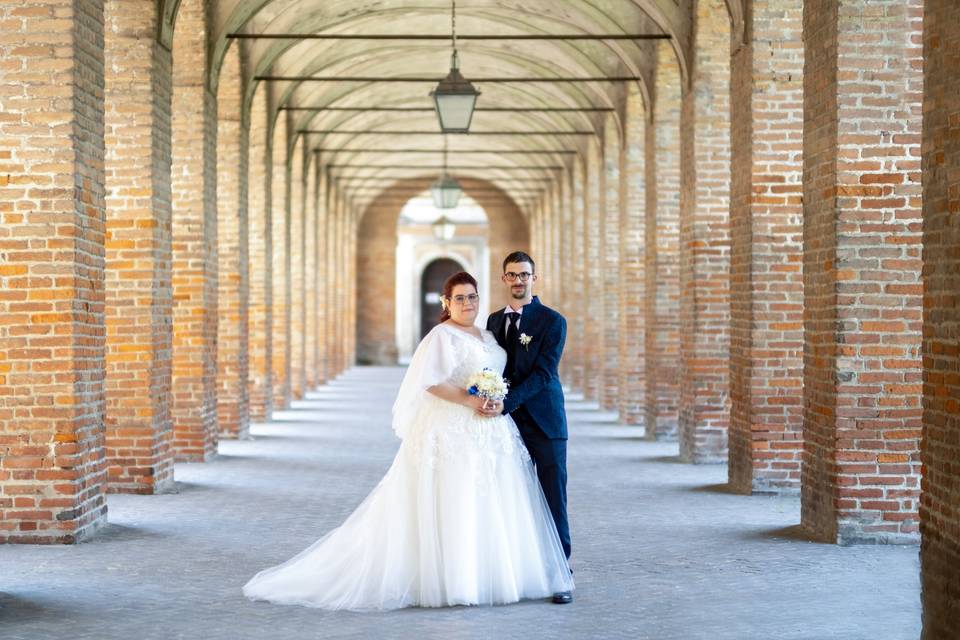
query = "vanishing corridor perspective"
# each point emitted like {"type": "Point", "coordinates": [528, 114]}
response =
{"type": "Point", "coordinates": [747, 210]}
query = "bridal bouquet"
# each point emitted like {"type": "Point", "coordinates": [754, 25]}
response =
{"type": "Point", "coordinates": [488, 384]}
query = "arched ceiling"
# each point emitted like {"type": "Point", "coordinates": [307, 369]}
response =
{"type": "Point", "coordinates": [520, 161]}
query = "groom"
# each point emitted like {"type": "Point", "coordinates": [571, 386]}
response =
{"type": "Point", "coordinates": [533, 336]}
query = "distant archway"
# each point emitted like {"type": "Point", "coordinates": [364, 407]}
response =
{"type": "Point", "coordinates": [431, 288]}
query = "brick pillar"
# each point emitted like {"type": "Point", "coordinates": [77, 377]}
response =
{"type": "Point", "coordinates": [233, 295]}
{"type": "Point", "coordinates": [939, 516]}
{"type": "Point", "coordinates": [592, 272]}
{"type": "Point", "coordinates": [632, 327]}
{"type": "Point", "coordinates": [260, 247]}
{"type": "Point", "coordinates": [862, 289]}
{"type": "Point", "coordinates": [323, 285]}
{"type": "Point", "coordinates": [556, 233]}
{"type": "Point", "coordinates": [280, 208]}
{"type": "Point", "coordinates": [609, 261]}
{"type": "Point", "coordinates": [137, 95]}
{"type": "Point", "coordinates": [336, 281]}
{"type": "Point", "coordinates": [662, 233]}
{"type": "Point", "coordinates": [52, 464]}
{"type": "Point", "coordinates": [351, 267]}
{"type": "Point", "coordinates": [297, 271]}
{"type": "Point", "coordinates": [766, 215]}
{"type": "Point", "coordinates": [576, 328]}
{"type": "Point", "coordinates": [310, 272]}
{"type": "Point", "coordinates": [705, 241]}
{"type": "Point", "coordinates": [194, 185]}
{"type": "Point", "coordinates": [566, 274]}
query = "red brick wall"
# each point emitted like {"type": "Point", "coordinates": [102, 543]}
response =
{"type": "Point", "coordinates": [233, 293]}
{"type": "Point", "coordinates": [862, 289]}
{"type": "Point", "coordinates": [609, 262]}
{"type": "Point", "coordinates": [632, 291]}
{"type": "Point", "coordinates": [297, 271]}
{"type": "Point", "coordinates": [52, 465]}
{"type": "Point", "coordinates": [310, 273]}
{"type": "Point", "coordinates": [194, 185]}
{"type": "Point", "coordinates": [705, 241]}
{"type": "Point", "coordinates": [766, 350]}
{"type": "Point", "coordinates": [575, 349]}
{"type": "Point", "coordinates": [662, 260]}
{"type": "Point", "coordinates": [280, 212]}
{"type": "Point", "coordinates": [260, 247]}
{"type": "Point", "coordinates": [939, 515]}
{"type": "Point", "coordinates": [592, 270]}
{"type": "Point", "coordinates": [138, 85]}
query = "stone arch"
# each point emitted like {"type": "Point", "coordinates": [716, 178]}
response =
{"type": "Point", "coordinates": [377, 260]}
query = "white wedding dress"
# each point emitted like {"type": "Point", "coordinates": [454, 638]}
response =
{"type": "Point", "coordinates": [458, 519]}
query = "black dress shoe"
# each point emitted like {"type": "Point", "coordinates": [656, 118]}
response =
{"type": "Point", "coordinates": [562, 597]}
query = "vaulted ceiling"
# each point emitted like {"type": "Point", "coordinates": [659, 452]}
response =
{"type": "Point", "coordinates": [235, 20]}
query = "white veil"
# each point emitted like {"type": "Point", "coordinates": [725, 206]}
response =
{"type": "Point", "coordinates": [433, 362]}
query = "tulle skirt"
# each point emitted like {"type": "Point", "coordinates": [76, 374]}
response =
{"type": "Point", "coordinates": [459, 519]}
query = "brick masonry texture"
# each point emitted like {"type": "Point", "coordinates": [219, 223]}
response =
{"type": "Point", "coordinates": [52, 337]}
{"type": "Point", "coordinates": [232, 253]}
{"type": "Point", "coordinates": [609, 261]}
{"type": "Point", "coordinates": [280, 211]}
{"type": "Point", "coordinates": [631, 299]}
{"type": "Point", "coordinates": [194, 186]}
{"type": "Point", "coordinates": [704, 409]}
{"type": "Point", "coordinates": [862, 288]}
{"type": "Point", "coordinates": [662, 259]}
{"type": "Point", "coordinates": [939, 515]}
{"type": "Point", "coordinates": [260, 247]}
{"type": "Point", "coordinates": [298, 239]}
{"type": "Point", "coordinates": [139, 293]}
{"type": "Point", "coordinates": [592, 271]}
{"type": "Point", "coordinates": [766, 213]}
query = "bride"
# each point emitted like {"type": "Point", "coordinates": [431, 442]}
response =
{"type": "Point", "coordinates": [459, 518]}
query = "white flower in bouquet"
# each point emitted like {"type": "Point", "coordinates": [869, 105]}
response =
{"type": "Point", "coordinates": [488, 384]}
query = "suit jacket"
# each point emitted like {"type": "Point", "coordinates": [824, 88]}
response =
{"type": "Point", "coordinates": [536, 382]}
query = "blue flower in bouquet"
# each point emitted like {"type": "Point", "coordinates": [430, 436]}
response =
{"type": "Point", "coordinates": [488, 384]}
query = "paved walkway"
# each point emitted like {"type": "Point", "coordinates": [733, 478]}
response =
{"type": "Point", "coordinates": [661, 550]}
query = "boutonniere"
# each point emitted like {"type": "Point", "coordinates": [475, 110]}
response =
{"type": "Point", "coordinates": [525, 340]}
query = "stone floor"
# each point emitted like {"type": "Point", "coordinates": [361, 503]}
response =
{"type": "Point", "coordinates": [661, 549]}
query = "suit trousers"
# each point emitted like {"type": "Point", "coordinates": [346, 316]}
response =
{"type": "Point", "coordinates": [550, 459]}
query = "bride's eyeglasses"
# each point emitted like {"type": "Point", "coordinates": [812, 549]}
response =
{"type": "Point", "coordinates": [471, 298]}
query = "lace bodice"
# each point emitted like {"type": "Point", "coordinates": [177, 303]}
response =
{"type": "Point", "coordinates": [474, 354]}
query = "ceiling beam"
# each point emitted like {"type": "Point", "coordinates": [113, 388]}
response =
{"type": "Point", "coordinates": [451, 152]}
{"type": "Point", "coordinates": [435, 80]}
{"type": "Point", "coordinates": [478, 109]}
{"type": "Point", "coordinates": [440, 133]}
{"type": "Point", "coordinates": [447, 37]}
{"type": "Point", "coordinates": [500, 167]}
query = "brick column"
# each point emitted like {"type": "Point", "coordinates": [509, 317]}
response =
{"type": "Point", "coordinates": [280, 207]}
{"type": "Point", "coordinates": [194, 184]}
{"type": "Point", "coordinates": [662, 233]}
{"type": "Point", "coordinates": [233, 294]}
{"type": "Point", "coordinates": [939, 516]}
{"type": "Point", "coordinates": [52, 465]}
{"type": "Point", "coordinates": [705, 241]}
{"type": "Point", "coordinates": [766, 215]}
{"type": "Point", "coordinates": [297, 271]}
{"type": "Point", "coordinates": [137, 93]}
{"type": "Point", "coordinates": [862, 289]}
{"type": "Point", "coordinates": [632, 327]}
{"type": "Point", "coordinates": [336, 293]}
{"type": "Point", "coordinates": [260, 247]}
{"type": "Point", "coordinates": [576, 327]}
{"type": "Point", "coordinates": [566, 274]}
{"type": "Point", "coordinates": [592, 272]}
{"type": "Point", "coordinates": [310, 272]}
{"type": "Point", "coordinates": [323, 284]}
{"type": "Point", "coordinates": [609, 261]}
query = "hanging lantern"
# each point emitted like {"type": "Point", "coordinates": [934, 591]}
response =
{"type": "Point", "coordinates": [454, 97]}
{"type": "Point", "coordinates": [446, 192]}
{"type": "Point", "coordinates": [443, 228]}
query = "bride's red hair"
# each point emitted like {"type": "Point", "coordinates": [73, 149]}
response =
{"type": "Point", "coordinates": [460, 277]}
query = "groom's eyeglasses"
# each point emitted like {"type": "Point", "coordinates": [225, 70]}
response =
{"type": "Point", "coordinates": [471, 298]}
{"type": "Point", "coordinates": [512, 277]}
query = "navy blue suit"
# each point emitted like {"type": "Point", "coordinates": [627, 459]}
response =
{"type": "Point", "coordinates": [535, 401]}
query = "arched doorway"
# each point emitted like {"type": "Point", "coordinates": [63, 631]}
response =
{"type": "Point", "coordinates": [431, 287]}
